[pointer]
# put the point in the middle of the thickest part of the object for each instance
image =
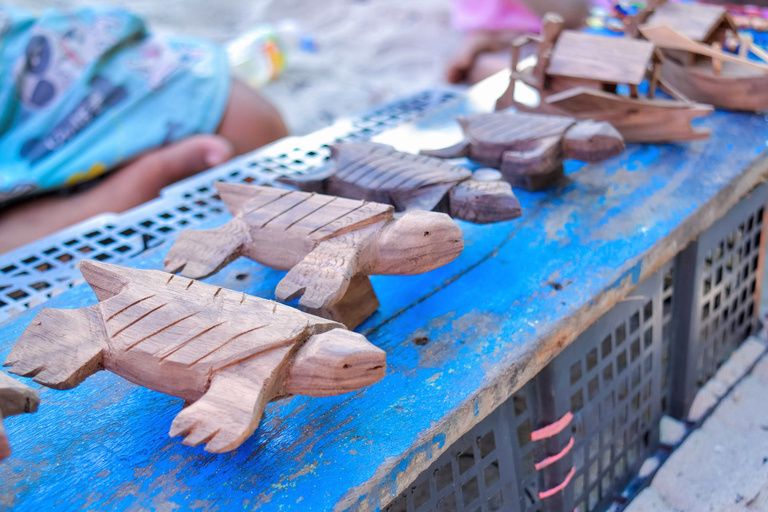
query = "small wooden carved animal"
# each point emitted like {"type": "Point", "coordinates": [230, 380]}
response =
{"type": "Point", "coordinates": [15, 398]}
{"type": "Point", "coordinates": [324, 242]}
{"type": "Point", "coordinates": [377, 172]}
{"type": "Point", "coordinates": [529, 149]}
{"type": "Point", "coordinates": [227, 352]}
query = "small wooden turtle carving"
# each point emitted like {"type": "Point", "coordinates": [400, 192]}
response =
{"type": "Point", "coordinates": [377, 172]}
{"type": "Point", "coordinates": [226, 351]}
{"type": "Point", "coordinates": [529, 149]}
{"type": "Point", "coordinates": [329, 245]}
{"type": "Point", "coordinates": [15, 398]}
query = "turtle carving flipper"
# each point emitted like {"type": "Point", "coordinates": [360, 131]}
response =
{"type": "Point", "coordinates": [208, 250]}
{"type": "Point", "coordinates": [231, 409]}
{"type": "Point", "coordinates": [65, 347]}
{"type": "Point", "coordinates": [529, 149]}
{"type": "Point", "coordinates": [225, 352]}
{"type": "Point", "coordinates": [322, 278]}
{"type": "Point", "coordinates": [15, 398]}
{"type": "Point", "coordinates": [328, 244]}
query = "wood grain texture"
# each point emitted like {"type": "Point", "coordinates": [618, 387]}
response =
{"type": "Point", "coordinates": [225, 351]}
{"type": "Point", "coordinates": [695, 64]}
{"type": "Point", "coordinates": [637, 120]}
{"type": "Point", "coordinates": [478, 201]}
{"type": "Point", "coordinates": [695, 21]}
{"type": "Point", "coordinates": [581, 81]}
{"type": "Point", "coordinates": [667, 38]}
{"type": "Point", "coordinates": [579, 55]}
{"type": "Point", "coordinates": [529, 148]}
{"type": "Point", "coordinates": [377, 172]}
{"type": "Point", "coordinates": [452, 361]}
{"type": "Point", "coordinates": [323, 241]}
{"type": "Point", "coordinates": [15, 398]}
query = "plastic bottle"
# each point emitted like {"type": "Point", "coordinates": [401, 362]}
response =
{"type": "Point", "coordinates": [261, 54]}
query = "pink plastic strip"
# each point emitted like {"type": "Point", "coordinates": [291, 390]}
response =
{"type": "Point", "coordinates": [557, 489]}
{"type": "Point", "coordinates": [554, 458]}
{"type": "Point", "coordinates": [553, 429]}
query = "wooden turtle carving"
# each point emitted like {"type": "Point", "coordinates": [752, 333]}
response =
{"type": "Point", "coordinates": [529, 149]}
{"type": "Point", "coordinates": [15, 398]}
{"type": "Point", "coordinates": [227, 352]}
{"type": "Point", "coordinates": [377, 172]}
{"type": "Point", "coordinates": [328, 244]}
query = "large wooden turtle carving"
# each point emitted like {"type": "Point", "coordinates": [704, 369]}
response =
{"type": "Point", "coordinates": [328, 244]}
{"type": "Point", "coordinates": [529, 149]}
{"type": "Point", "coordinates": [377, 172]}
{"type": "Point", "coordinates": [15, 398]}
{"type": "Point", "coordinates": [225, 351]}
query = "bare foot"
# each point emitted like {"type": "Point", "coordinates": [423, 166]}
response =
{"type": "Point", "coordinates": [134, 184]}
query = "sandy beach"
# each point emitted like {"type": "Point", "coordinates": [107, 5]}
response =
{"type": "Point", "coordinates": [369, 51]}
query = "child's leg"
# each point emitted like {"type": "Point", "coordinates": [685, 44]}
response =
{"type": "Point", "coordinates": [250, 121]}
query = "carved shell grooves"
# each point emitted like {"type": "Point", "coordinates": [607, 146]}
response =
{"type": "Point", "coordinates": [378, 167]}
{"type": "Point", "coordinates": [513, 127]}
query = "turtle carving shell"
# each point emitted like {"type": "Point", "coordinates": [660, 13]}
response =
{"type": "Point", "coordinates": [294, 214]}
{"type": "Point", "coordinates": [379, 167]}
{"type": "Point", "coordinates": [508, 129]}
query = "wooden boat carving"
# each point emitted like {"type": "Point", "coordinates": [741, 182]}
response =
{"type": "Point", "coordinates": [580, 75]}
{"type": "Point", "coordinates": [692, 37]}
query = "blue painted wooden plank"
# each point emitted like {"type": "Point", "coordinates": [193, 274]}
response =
{"type": "Point", "coordinates": [490, 317]}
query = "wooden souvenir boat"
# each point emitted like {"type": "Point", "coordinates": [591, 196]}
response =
{"type": "Point", "coordinates": [692, 37]}
{"type": "Point", "coordinates": [579, 75]}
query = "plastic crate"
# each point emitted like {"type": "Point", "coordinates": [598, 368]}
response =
{"type": "Point", "coordinates": [481, 471]}
{"type": "Point", "coordinates": [32, 274]}
{"type": "Point", "coordinates": [720, 274]}
{"type": "Point", "coordinates": [606, 391]}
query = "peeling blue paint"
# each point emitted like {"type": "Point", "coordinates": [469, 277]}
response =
{"type": "Point", "coordinates": [104, 445]}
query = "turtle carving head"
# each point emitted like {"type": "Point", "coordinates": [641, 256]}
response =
{"type": "Point", "coordinates": [417, 242]}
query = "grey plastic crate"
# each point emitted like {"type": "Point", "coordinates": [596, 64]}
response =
{"type": "Point", "coordinates": [481, 471]}
{"type": "Point", "coordinates": [720, 273]}
{"type": "Point", "coordinates": [613, 381]}
{"type": "Point", "coordinates": [34, 273]}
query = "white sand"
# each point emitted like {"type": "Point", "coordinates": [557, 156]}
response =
{"type": "Point", "coordinates": [370, 51]}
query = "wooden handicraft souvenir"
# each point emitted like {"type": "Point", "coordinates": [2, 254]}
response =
{"type": "Point", "coordinates": [328, 244]}
{"type": "Point", "coordinates": [15, 398]}
{"type": "Point", "coordinates": [377, 172]}
{"type": "Point", "coordinates": [692, 37]}
{"type": "Point", "coordinates": [529, 149]}
{"type": "Point", "coordinates": [225, 352]}
{"type": "Point", "coordinates": [582, 75]}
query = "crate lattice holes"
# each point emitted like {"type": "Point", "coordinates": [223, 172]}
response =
{"type": "Point", "coordinates": [595, 408]}
{"type": "Point", "coordinates": [720, 277]}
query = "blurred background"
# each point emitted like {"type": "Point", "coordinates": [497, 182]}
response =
{"type": "Point", "coordinates": [354, 53]}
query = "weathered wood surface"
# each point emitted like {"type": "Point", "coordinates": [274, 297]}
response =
{"type": "Point", "coordinates": [459, 341]}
